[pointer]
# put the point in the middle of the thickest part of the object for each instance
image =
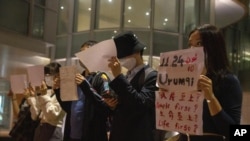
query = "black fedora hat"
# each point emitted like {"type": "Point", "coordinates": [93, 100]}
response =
{"type": "Point", "coordinates": [127, 44]}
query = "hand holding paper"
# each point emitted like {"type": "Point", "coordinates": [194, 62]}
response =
{"type": "Point", "coordinates": [96, 57]}
{"type": "Point", "coordinates": [180, 107]}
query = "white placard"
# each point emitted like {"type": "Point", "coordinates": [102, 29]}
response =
{"type": "Point", "coordinates": [180, 70]}
{"type": "Point", "coordinates": [36, 75]}
{"type": "Point", "coordinates": [18, 83]}
{"type": "Point", "coordinates": [179, 111]}
{"type": "Point", "coordinates": [68, 86]}
{"type": "Point", "coordinates": [96, 57]}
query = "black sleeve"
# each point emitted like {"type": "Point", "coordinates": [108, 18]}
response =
{"type": "Point", "coordinates": [145, 98]}
{"type": "Point", "coordinates": [66, 105]}
{"type": "Point", "coordinates": [94, 94]}
{"type": "Point", "coordinates": [231, 102]}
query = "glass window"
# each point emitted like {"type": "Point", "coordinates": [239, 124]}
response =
{"type": "Point", "coordinates": [190, 15]}
{"type": "Point", "coordinates": [5, 105]}
{"type": "Point", "coordinates": [77, 42]}
{"type": "Point", "coordinates": [63, 17]}
{"type": "Point", "coordinates": [82, 15]}
{"type": "Point", "coordinates": [185, 41]}
{"type": "Point", "coordinates": [52, 4]}
{"type": "Point", "coordinates": [166, 15]}
{"type": "Point", "coordinates": [164, 42]}
{"type": "Point", "coordinates": [61, 47]}
{"type": "Point", "coordinates": [204, 11]}
{"type": "Point", "coordinates": [245, 46]}
{"type": "Point", "coordinates": [234, 49]}
{"type": "Point", "coordinates": [38, 22]}
{"type": "Point", "coordinates": [137, 13]}
{"type": "Point", "coordinates": [14, 15]}
{"type": "Point", "coordinates": [40, 2]}
{"type": "Point", "coordinates": [108, 14]}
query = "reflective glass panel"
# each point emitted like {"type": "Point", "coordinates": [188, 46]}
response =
{"type": "Point", "coordinates": [38, 22]}
{"type": "Point", "coordinates": [205, 11]}
{"type": "Point", "coordinates": [137, 13]}
{"type": "Point", "coordinates": [40, 2]}
{"type": "Point", "coordinates": [190, 15]}
{"type": "Point", "coordinates": [63, 17]}
{"type": "Point", "coordinates": [164, 42]}
{"type": "Point", "coordinates": [166, 15]}
{"type": "Point", "coordinates": [105, 35]}
{"type": "Point", "coordinates": [61, 47]}
{"type": "Point", "coordinates": [14, 15]}
{"type": "Point", "coordinates": [77, 42]}
{"type": "Point", "coordinates": [108, 14]}
{"type": "Point", "coordinates": [82, 15]}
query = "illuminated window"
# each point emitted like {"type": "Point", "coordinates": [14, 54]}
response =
{"type": "Point", "coordinates": [82, 15]}
{"type": "Point", "coordinates": [137, 14]}
{"type": "Point", "coordinates": [108, 14]}
{"type": "Point", "coordinates": [166, 15]}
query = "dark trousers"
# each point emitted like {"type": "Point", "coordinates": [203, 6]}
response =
{"type": "Point", "coordinates": [47, 132]}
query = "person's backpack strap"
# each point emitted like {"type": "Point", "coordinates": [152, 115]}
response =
{"type": "Point", "coordinates": [103, 75]}
{"type": "Point", "coordinates": [147, 72]}
{"type": "Point", "coordinates": [98, 75]}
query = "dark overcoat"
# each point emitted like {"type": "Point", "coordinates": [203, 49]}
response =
{"type": "Point", "coordinates": [134, 117]}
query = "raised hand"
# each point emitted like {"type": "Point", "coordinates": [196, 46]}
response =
{"type": "Point", "coordinates": [115, 66]}
{"type": "Point", "coordinates": [79, 78]}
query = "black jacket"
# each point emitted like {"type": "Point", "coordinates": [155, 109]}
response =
{"type": "Point", "coordinates": [134, 117]}
{"type": "Point", "coordinates": [96, 111]}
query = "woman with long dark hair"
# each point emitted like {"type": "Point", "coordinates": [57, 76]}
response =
{"type": "Point", "coordinates": [222, 90]}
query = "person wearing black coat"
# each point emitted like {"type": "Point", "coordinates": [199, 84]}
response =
{"type": "Point", "coordinates": [134, 116]}
{"type": "Point", "coordinates": [95, 111]}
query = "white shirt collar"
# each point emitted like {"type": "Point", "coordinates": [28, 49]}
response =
{"type": "Point", "coordinates": [134, 71]}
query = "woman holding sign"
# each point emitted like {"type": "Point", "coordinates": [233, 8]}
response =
{"type": "Point", "coordinates": [222, 90]}
{"type": "Point", "coordinates": [45, 106]}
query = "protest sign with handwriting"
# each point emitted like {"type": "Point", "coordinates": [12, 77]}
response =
{"type": "Point", "coordinates": [180, 107]}
{"type": "Point", "coordinates": [179, 111]}
{"type": "Point", "coordinates": [180, 69]}
{"type": "Point", "coordinates": [68, 86]}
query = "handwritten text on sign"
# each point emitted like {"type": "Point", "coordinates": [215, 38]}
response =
{"type": "Point", "coordinates": [179, 111]}
{"type": "Point", "coordinates": [180, 69]}
{"type": "Point", "coordinates": [68, 87]}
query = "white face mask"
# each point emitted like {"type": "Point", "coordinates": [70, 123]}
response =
{"type": "Point", "coordinates": [49, 80]}
{"type": "Point", "coordinates": [128, 63]}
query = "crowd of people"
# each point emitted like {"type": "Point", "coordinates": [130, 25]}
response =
{"type": "Point", "coordinates": [128, 113]}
